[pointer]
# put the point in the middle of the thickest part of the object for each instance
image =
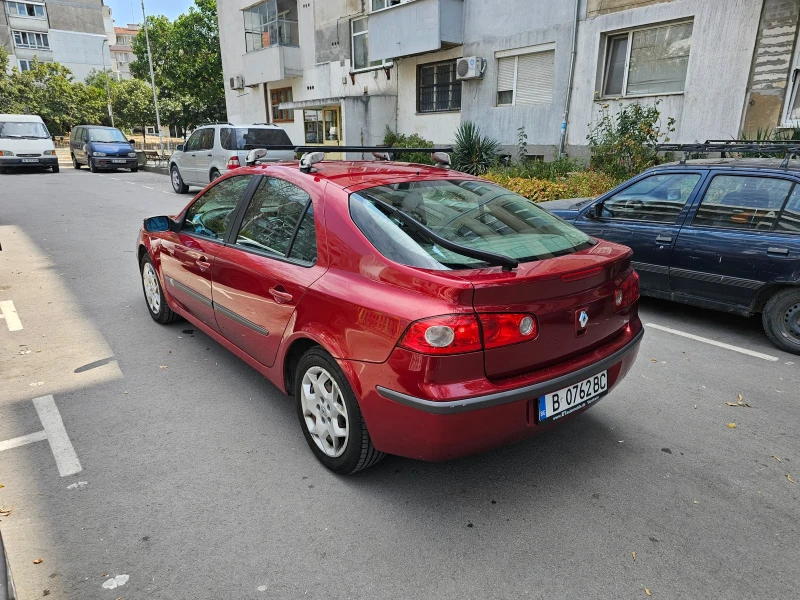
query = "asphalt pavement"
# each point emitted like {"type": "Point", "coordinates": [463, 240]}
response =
{"type": "Point", "coordinates": [145, 461]}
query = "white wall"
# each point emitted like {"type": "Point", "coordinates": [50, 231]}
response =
{"type": "Point", "coordinates": [81, 53]}
{"type": "Point", "coordinates": [436, 127]}
{"type": "Point", "coordinates": [711, 106]}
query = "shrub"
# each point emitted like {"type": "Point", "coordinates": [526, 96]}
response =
{"type": "Point", "coordinates": [399, 140]}
{"type": "Point", "coordinates": [582, 184]}
{"type": "Point", "coordinates": [473, 153]}
{"type": "Point", "coordinates": [623, 145]}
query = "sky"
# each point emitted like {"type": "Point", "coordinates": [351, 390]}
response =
{"type": "Point", "coordinates": [130, 11]}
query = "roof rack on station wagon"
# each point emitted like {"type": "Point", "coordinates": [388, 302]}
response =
{"type": "Point", "coordinates": [789, 148]}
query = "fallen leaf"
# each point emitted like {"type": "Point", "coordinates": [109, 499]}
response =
{"type": "Point", "coordinates": [646, 591]}
{"type": "Point", "coordinates": [38, 561]}
{"type": "Point", "coordinates": [776, 458]}
{"type": "Point", "coordinates": [4, 512]}
{"type": "Point", "coordinates": [162, 367]}
{"type": "Point", "coordinates": [653, 360]}
{"type": "Point", "coordinates": [634, 555]}
{"type": "Point", "coordinates": [1, 485]}
{"type": "Point", "coordinates": [789, 477]}
{"type": "Point", "coordinates": [740, 398]}
{"type": "Point", "coordinates": [731, 425]}
{"type": "Point", "coordinates": [731, 404]}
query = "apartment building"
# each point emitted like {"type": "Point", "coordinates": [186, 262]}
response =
{"type": "Point", "coordinates": [70, 32]}
{"type": "Point", "coordinates": [340, 71]}
{"type": "Point", "coordinates": [122, 49]}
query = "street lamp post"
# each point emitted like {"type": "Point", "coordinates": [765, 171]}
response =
{"type": "Point", "coordinates": [152, 80]}
{"type": "Point", "coordinates": [108, 89]}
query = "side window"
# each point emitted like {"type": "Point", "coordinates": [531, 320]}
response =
{"type": "Point", "coordinates": [193, 143]}
{"type": "Point", "coordinates": [207, 139]}
{"type": "Point", "coordinates": [271, 218]}
{"type": "Point", "coordinates": [304, 246]}
{"type": "Point", "coordinates": [84, 134]}
{"type": "Point", "coordinates": [790, 217]}
{"type": "Point", "coordinates": [226, 138]}
{"type": "Point", "coordinates": [658, 198]}
{"type": "Point", "coordinates": [210, 214]}
{"type": "Point", "coordinates": [740, 202]}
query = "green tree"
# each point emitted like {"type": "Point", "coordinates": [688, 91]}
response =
{"type": "Point", "coordinates": [187, 65]}
{"type": "Point", "coordinates": [132, 103]}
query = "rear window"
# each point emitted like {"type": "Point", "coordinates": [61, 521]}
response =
{"type": "Point", "coordinates": [478, 215]}
{"type": "Point", "coordinates": [247, 138]}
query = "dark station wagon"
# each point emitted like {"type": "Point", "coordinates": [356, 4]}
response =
{"type": "Point", "coordinates": [717, 233]}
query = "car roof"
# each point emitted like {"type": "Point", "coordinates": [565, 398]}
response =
{"type": "Point", "coordinates": [98, 127]}
{"type": "Point", "coordinates": [772, 164]}
{"type": "Point", "coordinates": [356, 175]}
{"type": "Point", "coordinates": [9, 118]}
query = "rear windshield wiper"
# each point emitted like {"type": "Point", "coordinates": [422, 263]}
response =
{"type": "Point", "coordinates": [506, 262]}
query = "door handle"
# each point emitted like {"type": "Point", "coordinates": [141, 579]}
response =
{"type": "Point", "coordinates": [209, 155]}
{"type": "Point", "coordinates": [203, 263]}
{"type": "Point", "coordinates": [664, 239]}
{"type": "Point", "coordinates": [281, 296]}
{"type": "Point", "coordinates": [773, 250]}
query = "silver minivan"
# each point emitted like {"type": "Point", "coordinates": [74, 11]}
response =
{"type": "Point", "coordinates": [213, 149]}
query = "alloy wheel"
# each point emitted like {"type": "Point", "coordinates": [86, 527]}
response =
{"type": "Point", "coordinates": [176, 179]}
{"type": "Point", "coordinates": [324, 411]}
{"type": "Point", "coordinates": [152, 291]}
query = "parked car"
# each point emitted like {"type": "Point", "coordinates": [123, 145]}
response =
{"type": "Point", "coordinates": [476, 322]}
{"type": "Point", "coordinates": [25, 142]}
{"type": "Point", "coordinates": [717, 233]}
{"type": "Point", "coordinates": [101, 148]}
{"type": "Point", "coordinates": [216, 149]}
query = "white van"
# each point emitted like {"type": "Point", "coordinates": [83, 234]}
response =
{"type": "Point", "coordinates": [25, 142]}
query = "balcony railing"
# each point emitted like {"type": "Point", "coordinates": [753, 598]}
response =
{"type": "Point", "coordinates": [281, 32]}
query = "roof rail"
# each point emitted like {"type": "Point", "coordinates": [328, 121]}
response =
{"type": "Point", "coordinates": [379, 152]}
{"type": "Point", "coordinates": [789, 148]}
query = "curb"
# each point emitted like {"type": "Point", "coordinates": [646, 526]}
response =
{"type": "Point", "coordinates": [157, 170]}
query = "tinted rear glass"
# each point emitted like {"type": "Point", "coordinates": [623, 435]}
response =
{"type": "Point", "coordinates": [479, 215]}
{"type": "Point", "coordinates": [248, 138]}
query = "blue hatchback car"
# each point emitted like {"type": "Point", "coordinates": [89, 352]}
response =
{"type": "Point", "coordinates": [717, 233]}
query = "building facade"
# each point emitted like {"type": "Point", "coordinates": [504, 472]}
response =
{"type": "Point", "coordinates": [71, 32]}
{"type": "Point", "coordinates": [341, 71]}
{"type": "Point", "coordinates": [122, 49]}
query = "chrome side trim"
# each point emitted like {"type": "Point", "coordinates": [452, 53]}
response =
{"type": "Point", "coordinates": [523, 393]}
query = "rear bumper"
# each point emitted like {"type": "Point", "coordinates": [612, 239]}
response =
{"type": "Point", "coordinates": [425, 429]}
{"type": "Point", "coordinates": [7, 162]}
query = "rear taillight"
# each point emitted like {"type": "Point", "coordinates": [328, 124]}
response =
{"type": "Point", "coordinates": [456, 334]}
{"type": "Point", "coordinates": [627, 293]}
{"type": "Point", "coordinates": [233, 162]}
{"type": "Point", "coordinates": [507, 329]}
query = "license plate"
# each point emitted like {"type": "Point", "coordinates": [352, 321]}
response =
{"type": "Point", "coordinates": [30, 160]}
{"type": "Point", "coordinates": [563, 402]}
{"type": "Point", "coordinates": [119, 161]}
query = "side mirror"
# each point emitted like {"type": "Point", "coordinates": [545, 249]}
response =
{"type": "Point", "coordinates": [254, 156]}
{"type": "Point", "coordinates": [131, 142]}
{"type": "Point", "coordinates": [159, 224]}
{"type": "Point", "coordinates": [179, 148]}
{"type": "Point", "coordinates": [595, 211]}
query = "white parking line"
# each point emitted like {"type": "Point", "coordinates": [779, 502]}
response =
{"type": "Point", "coordinates": [66, 459]}
{"type": "Point", "coordinates": [114, 178]}
{"type": "Point", "coordinates": [697, 338]}
{"type": "Point", "coordinates": [22, 440]}
{"type": "Point", "coordinates": [10, 315]}
{"type": "Point", "coordinates": [163, 192]}
{"type": "Point", "coordinates": [148, 187]}
{"type": "Point", "coordinates": [131, 182]}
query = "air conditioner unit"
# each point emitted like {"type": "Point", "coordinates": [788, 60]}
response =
{"type": "Point", "coordinates": [470, 67]}
{"type": "Point", "coordinates": [237, 83]}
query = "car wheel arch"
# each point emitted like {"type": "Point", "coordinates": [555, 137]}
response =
{"type": "Point", "coordinates": [297, 345]}
{"type": "Point", "coordinates": [768, 291]}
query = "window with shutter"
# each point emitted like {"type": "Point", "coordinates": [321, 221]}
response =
{"type": "Point", "coordinates": [506, 73]}
{"type": "Point", "coordinates": [535, 78]}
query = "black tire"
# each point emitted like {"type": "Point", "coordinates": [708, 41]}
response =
{"type": "Point", "coordinates": [164, 314]}
{"type": "Point", "coordinates": [359, 453]}
{"type": "Point", "coordinates": [56, 168]}
{"type": "Point", "coordinates": [92, 168]}
{"type": "Point", "coordinates": [75, 163]}
{"type": "Point", "coordinates": [134, 169]}
{"type": "Point", "coordinates": [214, 175]}
{"type": "Point", "coordinates": [177, 181]}
{"type": "Point", "coordinates": [3, 170]}
{"type": "Point", "coordinates": [781, 320]}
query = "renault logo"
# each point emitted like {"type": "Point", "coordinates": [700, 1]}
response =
{"type": "Point", "coordinates": [583, 319]}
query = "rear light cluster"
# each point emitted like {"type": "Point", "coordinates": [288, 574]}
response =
{"type": "Point", "coordinates": [627, 293]}
{"type": "Point", "coordinates": [233, 162]}
{"type": "Point", "coordinates": [456, 334]}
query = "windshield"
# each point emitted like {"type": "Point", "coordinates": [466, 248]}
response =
{"type": "Point", "coordinates": [23, 130]}
{"type": "Point", "coordinates": [247, 138]}
{"type": "Point", "coordinates": [478, 215]}
{"type": "Point", "coordinates": [109, 136]}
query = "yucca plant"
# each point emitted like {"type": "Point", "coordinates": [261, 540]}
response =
{"type": "Point", "coordinates": [473, 153]}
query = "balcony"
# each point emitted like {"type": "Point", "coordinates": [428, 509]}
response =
{"type": "Point", "coordinates": [415, 27]}
{"type": "Point", "coordinates": [272, 42]}
{"type": "Point", "coordinates": [272, 63]}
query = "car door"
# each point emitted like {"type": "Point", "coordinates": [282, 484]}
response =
{"type": "Point", "coordinates": [784, 242]}
{"type": "Point", "coordinates": [270, 261]}
{"type": "Point", "coordinates": [188, 159]}
{"type": "Point", "coordinates": [80, 150]}
{"type": "Point", "coordinates": [187, 256]}
{"type": "Point", "coordinates": [725, 251]}
{"type": "Point", "coordinates": [204, 156]}
{"type": "Point", "coordinates": [646, 216]}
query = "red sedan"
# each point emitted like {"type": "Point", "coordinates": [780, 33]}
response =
{"type": "Point", "coordinates": [409, 310]}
